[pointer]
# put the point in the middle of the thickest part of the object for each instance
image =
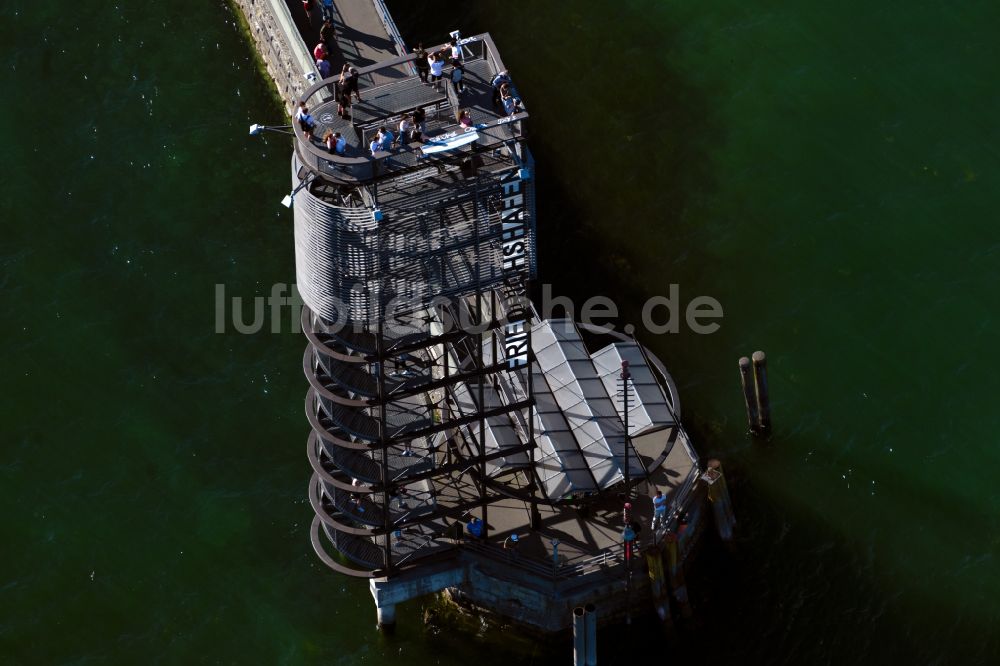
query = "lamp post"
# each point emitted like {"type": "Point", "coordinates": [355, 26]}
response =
{"type": "Point", "coordinates": [304, 177]}
{"type": "Point", "coordinates": [256, 129]}
{"type": "Point", "coordinates": [289, 199]}
{"type": "Point", "coordinates": [625, 378]}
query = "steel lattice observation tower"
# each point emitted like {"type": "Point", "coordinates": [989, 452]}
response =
{"type": "Point", "coordinates": [435, 392]}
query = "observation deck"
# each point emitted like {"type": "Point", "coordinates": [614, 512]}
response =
{"type": "Point", "coordinates": [389, 90]}
{"type": "Point", "coordinates": [446, 216]}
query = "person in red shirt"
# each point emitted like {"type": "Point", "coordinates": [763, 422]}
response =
{"type": "Point", "coordinates": [307, 5]}
{"type": "Point", "coordinates": [319, 53]}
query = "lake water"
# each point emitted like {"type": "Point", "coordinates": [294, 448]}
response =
{"type": "Point", "coordinates": [827, 172]}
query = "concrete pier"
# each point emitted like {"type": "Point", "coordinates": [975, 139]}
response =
{"type": "Point", "coordinates": [364, 31]}
{"type": "Point", "coordinates": [281, 47]}
{"type": "Point", "coordinates": [386, 616]}
{"type": "Point", "coordinates": [365, 34]}
{"type": "Point", "coordinates": [387, 593]}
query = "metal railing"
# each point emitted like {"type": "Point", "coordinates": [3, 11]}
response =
{"type": "Point", "coordinates": [449, 91]}
{"type": "Point", "coordinates": [490, 53]}
{"type": "Point", "coordinates": [605, 560]}
{"type": "Point", "coordinates": [677, 501]}
{"type": "Point", "coordinates": [362, 166]}
{"type": "Point", "coordinates": [289, 34]}
{"type": "Point", "coordinates": [431, 540]}
{"type": "Point", "coordinates": [392, 30]}
{"type": "Point", "coordinates": [608, 558]}
{"type": "Point", "coordinates": [500, 555]}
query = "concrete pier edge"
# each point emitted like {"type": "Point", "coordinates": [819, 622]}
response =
{"type": "Point", "coordinates": [281, 49]}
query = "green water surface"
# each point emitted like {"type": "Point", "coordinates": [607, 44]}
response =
{"type": "Point", "coordinates": [827, 171]}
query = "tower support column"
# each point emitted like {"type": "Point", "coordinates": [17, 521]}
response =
{"type": "Point", "coordinates": [386, 615]}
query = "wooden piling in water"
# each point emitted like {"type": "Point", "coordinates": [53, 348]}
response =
{"type": "Point", "coordinates": [760, 388]}
{"type": "Point", "coordinates": [659, 585]}
{"type": "Point", "coordinates": [579, 637]}
{"type": "Point", "coordinates": [590, 623]}
{"type": "Point", "coordinates": [675, 569]}
{"type": "Point", "coordinates": [749, 394]}
{"type": "Point", "coordinates": [718, 493]}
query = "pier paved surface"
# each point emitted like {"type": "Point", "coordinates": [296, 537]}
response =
{"type": "Point", "coordinates": [361, 37]}
{"type": "Point", "coordinates": [590, 536]}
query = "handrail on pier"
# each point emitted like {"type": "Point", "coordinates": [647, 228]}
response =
{"type": "Point", "coordinates": [392, 30]}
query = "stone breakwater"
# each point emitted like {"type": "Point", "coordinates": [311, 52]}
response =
{"type": "Point", "coordinates": [280, 46]}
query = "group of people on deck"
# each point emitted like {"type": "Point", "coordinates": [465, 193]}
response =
{"type": "Point", "coordinates": [503, 93]}
{"type": "Point", "coordinates": [412, 126]}
{"type": "Point", "coordinates": [475, 527]}
{"type": "Point", "coordinates": [382, 140]}
{"type": "Point", "coordinates": [430, 66]}
{"type": "Point", "coordinates": [321, 53]}
{"type": "Point", "coordinates": [430, 69]}
{"type": "Point", "coordinates": [326, 6]}
{"type": "Point", "coordinates": [347, 85]}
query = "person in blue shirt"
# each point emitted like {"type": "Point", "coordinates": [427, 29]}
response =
{"type": "Point", "coordinates": [498, 81]}
{"type": "Point", "coordinates": [327, 7]}
{"type": "Point", "coordinates": [659, 510]}
{"type": "Point", "coordinates": [457, 76]}
{"type": "Point", "coordinates": [305, 120]}
{"type": "Point", "coordinates": [323, 67]}
{"type": "Point", "coordinates": [386, 138]}
{"type": "Point", "coordinates": [511, 104]}
{"type": "Point", "coordinates": [510, 545]}
{"type": "Point", "coordinates": [475, 527]}
{"type": "Point", "coordinates": [628, 536]}
{"type": "Point", "coordinates": [335, 143]}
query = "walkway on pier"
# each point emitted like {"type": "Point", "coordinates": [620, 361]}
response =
{"type": "Point", "coordinates": [361, 37]}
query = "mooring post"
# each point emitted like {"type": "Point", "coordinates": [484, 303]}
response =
{"type": "Point", "coordinates": [718, 493]}
{"type": "Point", "coordinates": [579, 637]}
{"type": "Point", "coordinates": [675, 566]}
{"type": "Point", "coordinates": [591, 626]}
{"type": "Point", "coordinates": [749, 397]}
{"type": "Point", "coordinates": [659, 586]}
{"type": "Point", "coordinates": [760, 387]}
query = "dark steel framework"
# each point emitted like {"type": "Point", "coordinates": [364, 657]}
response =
{"type": "Point", "coordinates": [414, 270]}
